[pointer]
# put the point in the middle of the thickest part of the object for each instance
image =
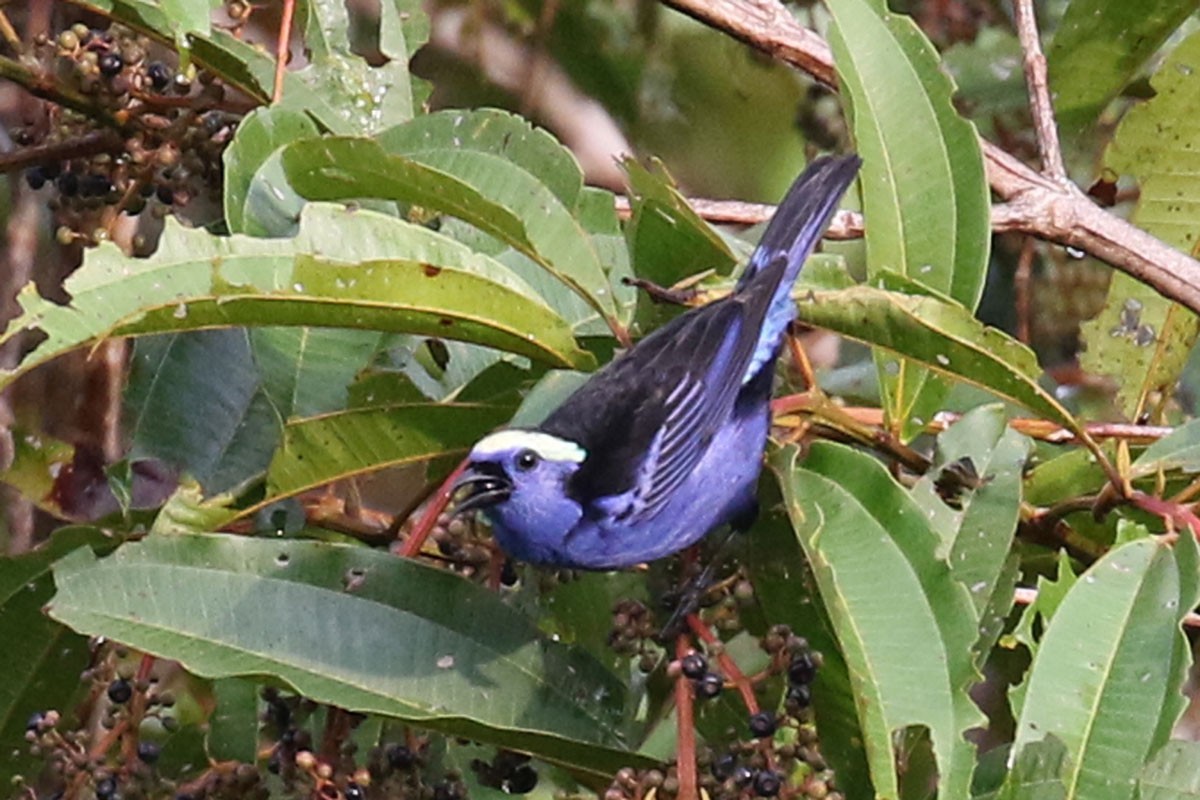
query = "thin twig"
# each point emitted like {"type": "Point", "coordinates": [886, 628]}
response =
{"type": "Point", "coordinates": [283, 48]}
{"type": "Point", "coordinates": [45, 86]}
{"type": "Point", "coordinates": [685, 735]}
{"type": "Point", "coordinates": [437, 504]}
{"type": "Point", "coordinates": [1034, 203]}
{"type": "Point", "coordinates": [10, 33]}
{"type": "Point", "coordinates": [1023, 287]}
{"type": "Point", "coordinates": [1039, 92]}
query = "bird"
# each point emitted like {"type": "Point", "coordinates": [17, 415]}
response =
{"type": "Point", "coordinates": [665, 443]}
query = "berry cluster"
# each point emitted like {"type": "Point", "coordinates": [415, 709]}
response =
{"type": "Point", "coordinates": [633, 632]}
{"type": "Point", "coordinates": [115, 756]}
{"type": "Point", "coordinates": [706, 683]}
{"type": "Point", "coordinates": [140, 134]}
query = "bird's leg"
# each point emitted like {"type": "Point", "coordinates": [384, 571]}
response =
{"type": "Point", "coordinates": [662, 294]}
{"type": "Point", "coordinates": [694, 590]}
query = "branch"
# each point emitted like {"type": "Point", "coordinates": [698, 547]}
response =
{"type": "Point", "coordinates": [1034, 204]}
{"type": "Point", "coordinates": [1039, 92]}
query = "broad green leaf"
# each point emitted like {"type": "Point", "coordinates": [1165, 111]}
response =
{"type": "Point", "coordinates": [1178, 451]}
{"type": "Point", "coordinates": [223, 433]}
{"type": "Point", "coordinates": [188, 17]}
{"type": "Point", "coordinates": [41, 660]}
{"type": "Point", "coordinates": [1106, 673]}
{"type": "Point", "coordinates": [188, 511]}
{"type": "Point", "coordinates": [328, 276]}
{"type": "Point", "coordinates": [668, 239]}
{"type": "Point", "coordinates": [785, 589]}
{"type": "Point", "coordinates": [1173, 773]}
{"type": "Point", "coordinates": [1098, 48]}
{"type": "Point", "coordinates": [232, 731]}
{"type": "Point", "coordinates": [924, 190]}
{"type": "Point", "coordinates": [325, 448]}
{"type": "Point", "coordinates": [1141, 338]}
{"type": "Point", "coordinates": [367, 98]}
{"type": "Point", "coordinates": [979, 534]}
{"type": "Point", "coordinates": [356, 628]}
{"type": "Point", "coordinates": [1037, 773]}
{"type": "Point", "coordinates": [496, 132]}
{"type": "Point", "coordinates": [482, 188]}
{"type": "Point", "coordinates": [941, 335]}
{"type": "Point", "coordinates": [259, 134]}
{"type": "Point", "coordinates": [874, 559]}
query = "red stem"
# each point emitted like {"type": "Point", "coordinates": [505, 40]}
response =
{"type": "Point", "coordinates": [433, 509]}
{"type": "Point", "coordinates": [685, 750]}
{"type": "Point", "coordinates": [732, 671]}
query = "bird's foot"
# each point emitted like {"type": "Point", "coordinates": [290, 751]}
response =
{"type": "Point", "coordinates": [685, 602]}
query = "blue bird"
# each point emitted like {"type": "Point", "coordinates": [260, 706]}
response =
{"type": "Point", "coordinates": [665, 443]}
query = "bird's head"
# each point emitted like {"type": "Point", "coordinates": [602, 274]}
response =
{"type": "Point", "coordinates": [519, 479]}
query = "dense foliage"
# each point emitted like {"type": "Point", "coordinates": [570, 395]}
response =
{"type": "Point", "coordinates": [977, 551]}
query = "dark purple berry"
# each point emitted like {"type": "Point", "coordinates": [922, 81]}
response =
{"type": "Point", "coordinates": [106, 789]}
{"type": "Point", "coordinates": [710, 685]}
{"type": "Point", "coordinates": [111, 64]}
{"type": "Point", "coordinates": [800, 696]}
{"type": "Point", "coordinates": [275, 762]}
{"type": "Point", "coordinates": [802, 670]}
{"type": "Point", "coordinates": [148, 752]}
{"type": "Point", "coordinates": [95, 186]}
{"type": "Point", "coordinates": [36, 178]}
{"type": "Point", "coordinates": [35, 721]}
{"type": "Point", "coordinates": [51, 171]}
{"type": "Point", "coordinates": [119, 691]}
{"type": "Point", "coordinates": [165, 195]}
{"type": "Point", "coordinates": [742, 776]}
{"type": "Point", "coordinates": [354, 791]}
{"type": "Point", "coordinates": [522, 780]}
{"type": "Point", "coordinates": [763, 724]}
{"type": "Point", "coordinates": [159, 75]}
{"type": "Point", "coordinates": [68, 184]}
{"type": "Point", "coordinates": [446, 791]}
{"type": "Point", "coordinates": [724, 766]}
{"type": "Point", "coordinates": [508, 574]}
{"type": "Point", "coordinates": [400, 757]}
{"type": "Point", "coordinates": [767, 783]}
{"type": "Point", "coordinates": [694, 666]}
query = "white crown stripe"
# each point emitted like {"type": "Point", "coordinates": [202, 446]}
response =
{"type": "Point", "coordinates": [549, 448]}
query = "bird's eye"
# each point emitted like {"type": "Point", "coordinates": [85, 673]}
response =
{"type": "Point", "coordinates": [527, 460]}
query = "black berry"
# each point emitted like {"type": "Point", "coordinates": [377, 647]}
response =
{"type": "Point", "coordinates": [165, 195]}
{"type": "Point", "coordinates": [767, 783]}
{"type": "Point", "coordinates": [159, 75]}
{"type": "Point", "coordinates": [742, 776]}
{"type": "Point", "coordinates": [446, 791]}
{"type": "Point", "coordinates": [400, 757]}
{"type": "Point", "coordinates": [522, 780]}
{"type": "Point", "coordinates": [35, 721]}
{"type": "Point", "coordinates": [802, 670]}
{"type": "Point", "coordinates": [148, 752]}
{"type": "Point", "coordinates": [762, 724]}
{"type": "Point", "coordinates": [710, 685]}
{"type": "Point", "coordinates": [68, 184]}
{"type": "Point", "coordinates": [111, 64]}
{"type": "Point", "coordinates": [508, 574]}
{"type": "Point", "coordinates": [119, 691]}
{"type": "Point", "coordinates": [36, 178]}
{"type": "Point", "coordinates": [95, 186]}
{"type": "Point", "coordinates": [354, 791]}
{"type": "Point", "coordinates": [724, 766]}
{"type": "Point", "coordinates": [106, 789]}
{"type": "Point", "coordinates": [694, 666]}
{"type": "Point", "coordinates": [800, 696]}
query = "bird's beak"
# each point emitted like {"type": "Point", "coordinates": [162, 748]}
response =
{"type": "Point", "coordinates": [481, 486]}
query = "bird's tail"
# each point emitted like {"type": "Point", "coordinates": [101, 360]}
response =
{"type": "Point", "coordinates": [790, 238]}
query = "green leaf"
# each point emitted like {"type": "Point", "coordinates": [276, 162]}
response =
{"type": "Point", "coordinates": [1037, 773]}
{"type": "Point", "coordinates": [1180, 450]}
{"type": "Point", "coordinates": [328, 276]}
{"type": "Point", "coordinates": [882, 599]}
{"type": "Point", "coordinates": [480, 187]}
{"type": "Point", "coordinates": [325, 448]}
{"type": "Point", "coordinates": [188, 17]}
{"type": "Point", "coordinates": [1173, 773]}
{"type": "Point", "coordinates": [41, 660]}
{"type": "Point", "coordinates": [1099, 46]}
{"type": "Point", "coordinates": [1105, 679]}
{"type": "Point", "coordinates": [941, 335]}
{"type": "Point", "coordinates": [259, 134]}
{"type": "Point", "coordinates": [1141, 338]}
{"type": "Point", "coordinates": [924, 190]}
{"type": "Point", "coordinates": [356, 628]}
{"type": "Point", "coordinates": [979, 534]}
{"type": "Point", "coordinates": [366, 98]}
{"type": "Point", "coordinates": [668, 239]}
{"type": "Point", "coordinates": [232, 733]}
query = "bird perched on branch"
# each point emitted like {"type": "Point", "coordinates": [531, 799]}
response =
{"type": "Point", "coordinates": [665, 443]}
